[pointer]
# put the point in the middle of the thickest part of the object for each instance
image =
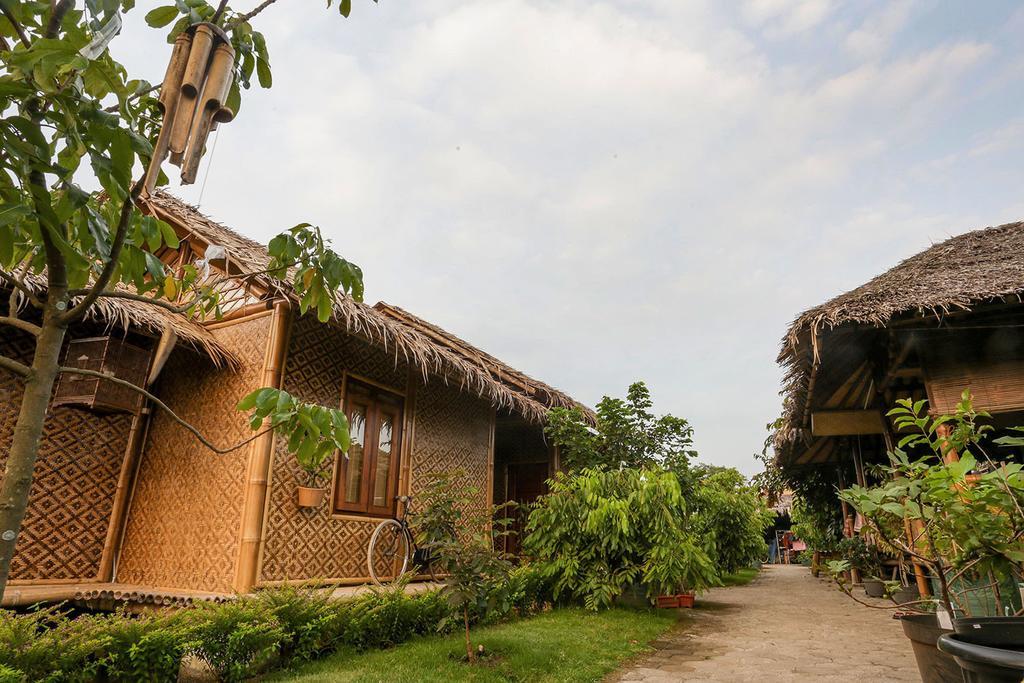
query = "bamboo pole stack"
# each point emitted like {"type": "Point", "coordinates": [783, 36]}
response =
{"type": "Point", "coordinates": [193, 99]}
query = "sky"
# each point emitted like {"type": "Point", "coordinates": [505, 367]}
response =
{"type": "Point", "coordinates": [599, 192]}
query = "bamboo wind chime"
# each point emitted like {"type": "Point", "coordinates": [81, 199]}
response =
{"type": "Point", "coordinates": [193, 99]}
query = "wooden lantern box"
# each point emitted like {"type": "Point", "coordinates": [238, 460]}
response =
{"type": "Point", "coordinates": [108, 355]}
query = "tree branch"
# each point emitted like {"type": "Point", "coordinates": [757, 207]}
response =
{"type": "Point", "coordinates": [22, 325]}
{"type": "Point", "coordinates": [111, 265]}
{"type": "Point", "coordinates": [14, 22]}
{"type": "Point", "coordinates": [220, 10]}
{"type": "Point", "coordinates": [242, 18]}
{"type": "Point", "coordinates": [163, 406]}
{"type": "Point", "coordinates": [57, 16]}
{"type": "Point", "coordinates": [14, 366]}
{"type": "Point", "coordinates": [132, 296]}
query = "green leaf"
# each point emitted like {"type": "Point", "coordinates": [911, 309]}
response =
{"type": "Point", "coordinates": [161, 16]}
{"type": "Point", "coordinates": [263, 73]}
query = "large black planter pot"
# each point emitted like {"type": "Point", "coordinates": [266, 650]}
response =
{"type": "Point", "coordinates": [874, 588]}
{"type": "Point", "coordinates": [1005, 632]}
{"type": "Point", "coordinates": [983, 664]}
{"type": "Point", "coordinates": [934, 665]}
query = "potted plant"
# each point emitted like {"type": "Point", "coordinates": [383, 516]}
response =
{"type": "Point", "coordinates": [313, 465]}
{"type": "Point", "coordinates": [864, 557]}
{"type": "Point", "coordinates": [965, 515]}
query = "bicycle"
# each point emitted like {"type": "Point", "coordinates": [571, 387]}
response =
{"type": "Point", "coordinates": [393, 542]}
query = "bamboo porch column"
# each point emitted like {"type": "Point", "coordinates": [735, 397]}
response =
{"type": "Point", "coordinates": [122, 494]}
{"type": "Point", "coordinates": [261, 457]}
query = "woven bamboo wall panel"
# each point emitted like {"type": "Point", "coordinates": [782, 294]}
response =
{"type": "Point", "coordinates": [75, 477]}
{"type": "Point", "coordinates": [307, 544]}
{"type": "Point", "coordinates": [996, 387]}
{"type": "Point", "coordinates": [452, 434]}
{"type": "Point", "coordinates": [183, 524]}
{"type": "Point", "coordinates": [301, 543]}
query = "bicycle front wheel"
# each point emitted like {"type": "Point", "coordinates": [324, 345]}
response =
{"type": "Point", "coordinates": [387, 556]}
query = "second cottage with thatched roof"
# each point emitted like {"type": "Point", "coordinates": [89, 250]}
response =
{"type": "Point", "coordinates": [128, 505]}
{"type": "Point", "coordinates": [946, 320]}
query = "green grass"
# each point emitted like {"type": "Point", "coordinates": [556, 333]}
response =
{"type": "Point", "coordinates": [740, 578]}
{"type": "Point", "coordinates": [567, 645]}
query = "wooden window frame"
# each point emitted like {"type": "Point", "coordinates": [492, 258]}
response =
{"type": "Point", "coordinates": [376, 402]}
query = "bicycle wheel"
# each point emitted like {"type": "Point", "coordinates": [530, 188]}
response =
{"type": "Point", "coordinates": [387, 555]}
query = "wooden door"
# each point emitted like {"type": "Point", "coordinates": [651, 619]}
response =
{"type": "Point", "coordinates": [526, 483]}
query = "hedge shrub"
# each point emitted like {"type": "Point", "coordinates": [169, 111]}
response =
{"type": "Point", "coordinates": [239, 639]}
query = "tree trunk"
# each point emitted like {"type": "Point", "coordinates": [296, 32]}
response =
{"type": "Point", "coordinates": [21, 460]}
{"type": "Point", "coordinates": [469, 645]}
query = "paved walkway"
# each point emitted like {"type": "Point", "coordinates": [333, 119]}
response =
{"type": "Point", "coordinates": [784, 626]}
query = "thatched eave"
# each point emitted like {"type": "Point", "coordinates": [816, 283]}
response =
{"type": "Point", "coordinates": [953, 276]}
{"type": "Point", "coordinates": [433, 351]}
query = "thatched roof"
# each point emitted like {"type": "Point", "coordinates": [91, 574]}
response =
{"type": "Point", "coordinates": [535, 390]}
{"type": "Point", "coordinates": [427, 347]}
{"type": "Point", "coordinates": [955, 275]}
{"type": "Point", "coordinates": [126, 314]}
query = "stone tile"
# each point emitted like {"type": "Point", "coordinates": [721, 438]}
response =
{"type": "Point", "coordinates": [784, 626]}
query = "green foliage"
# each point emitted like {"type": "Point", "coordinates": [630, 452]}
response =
{"type": "Point", "coordinates": [599, 531]}
{"type": "Point", "coordinates": [386, 617]}
{"type": "Point", "coordinates": [731, 518]}
{"type": "Point", "coordinates": [970, 523]}
{"type": "Point", "coordinates": [313, 432]}
{"type": "Point", "coordinates": [819, 526]}
{"type": "Point", "coordinates": [862, 556]}
{"type": "Point", "coordinates": [48, 645]}
{"type": "Point", "coordinates": [308, 619]}
{"type": "Point", "coordinates": [316, 272]}
{"type": "Point", "coordinates": [566, 645]}
{"type": "Point", "coordinates": [627, 434]}
{"type": "Point", "coordinates": [460, 541]}
{"type": "Point", "coordinates": [9, 675]}
{"type": "Point", "coordinates": [238, 639]}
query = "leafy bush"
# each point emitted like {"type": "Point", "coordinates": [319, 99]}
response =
{"type": "Point", "coordinates": [731, 518]}
{"type": "Point", "coordinates": [598, 532]}
{"type": "Point", "coordinates": [385, 617]}
{"type": "Point", "coordinates": [47, 646]}
{"type": "Point", "coordinates": [238, 639]}
{"type": "Point", "coordinates": [308, 618]}
{"type": "Point", "coordinates": [971, 522]}
{"type": "Point", "coordinates": [461, 544]}
{"type": "Point", "coordinates": [627, 434]}
{"type": "Point", "coordinates": [9, 675]}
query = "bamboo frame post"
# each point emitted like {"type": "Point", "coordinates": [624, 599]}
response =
{"type": "Point", "coordinates": [122, 495]}
{"type": "Point", "coordinates": [260, 458]}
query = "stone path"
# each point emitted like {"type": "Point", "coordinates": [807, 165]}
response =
{"type": "Point", "coordinates": [783, 626]}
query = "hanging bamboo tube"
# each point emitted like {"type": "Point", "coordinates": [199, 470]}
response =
{"type": "Point", "coordinates": [168, 103]}
{"type": "Point", "coordinates": [191, 85]}
{"type": "Point", "coordinates": [193, 99]}
{"type": "Point", "coordinates": [211, 105]}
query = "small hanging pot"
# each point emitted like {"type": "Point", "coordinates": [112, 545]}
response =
{"type": "Point", "coordinates": [310, 497]}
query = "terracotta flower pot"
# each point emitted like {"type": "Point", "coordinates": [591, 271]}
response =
{"type": "Point", "coordinates": [668, 601]}
{"type": "Point", "coordinates": [310, 497]}
{"type": "Point", "coordinates": [686, 599]}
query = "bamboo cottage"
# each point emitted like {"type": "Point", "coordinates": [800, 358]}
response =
{"type": "Point", "coordinates": [128, 506]}
{"type": "Point", "coordinates": [940, 322]}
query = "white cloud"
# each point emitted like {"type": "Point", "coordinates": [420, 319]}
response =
{"type": "Point", "coordinates": [603, 190]}
{"type": "Point", "coordinates": [874, 36]}
{"type": "Point", "coordinates": [784, 18]}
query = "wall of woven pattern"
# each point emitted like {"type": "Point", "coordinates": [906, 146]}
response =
{"type": "Point", "coordinates": [451, 430]}
{"type": "Point", "coordinates": [75, 478]}
{"type": "Point", "coordinates": [183, 523]}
